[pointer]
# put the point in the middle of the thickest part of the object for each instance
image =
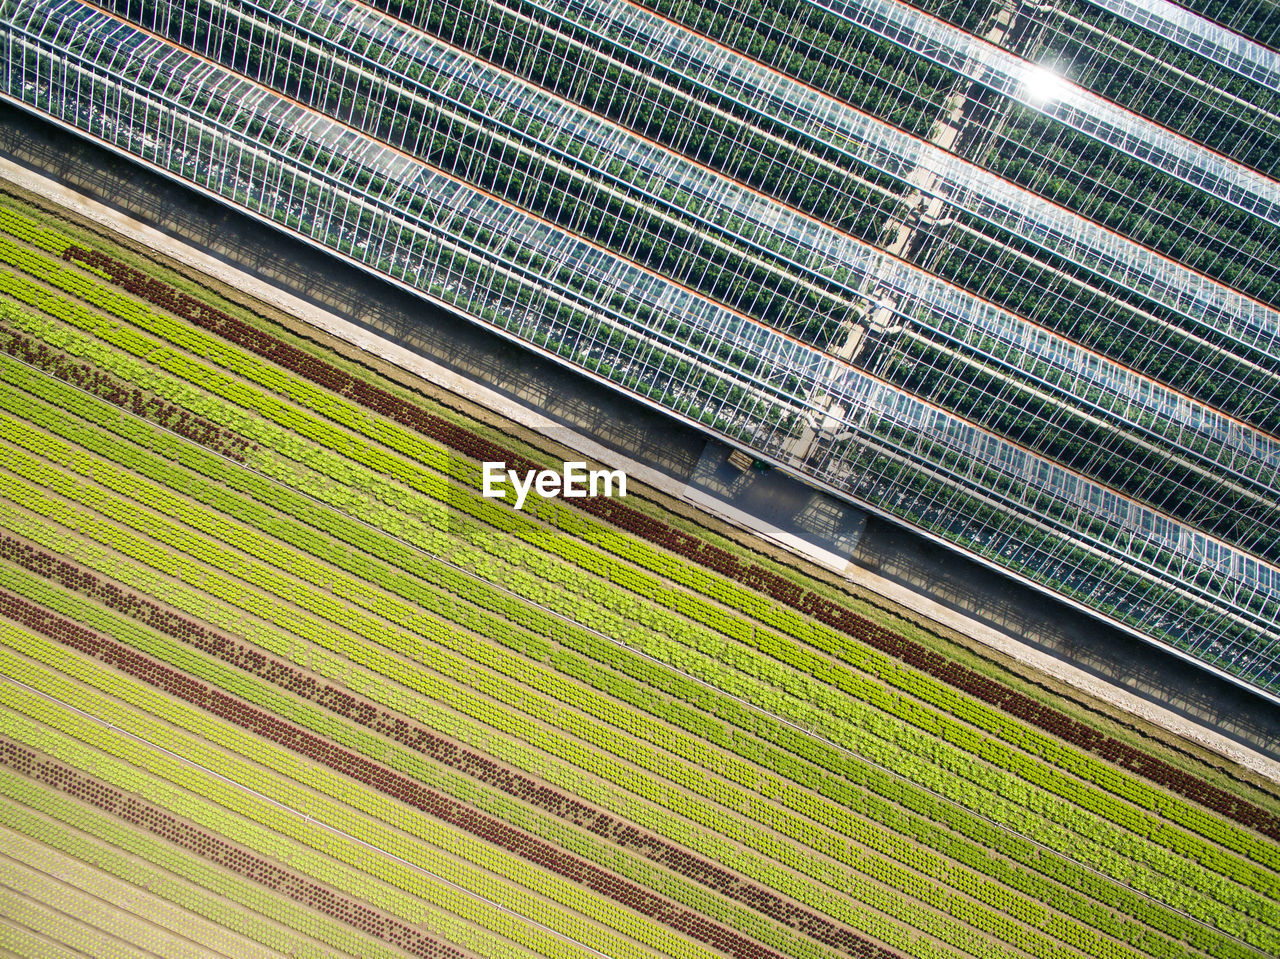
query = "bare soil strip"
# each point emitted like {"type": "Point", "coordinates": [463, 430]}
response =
{"type": "Point", "coordinates": [209, 846]}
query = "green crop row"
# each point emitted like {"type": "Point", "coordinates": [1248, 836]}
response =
{"type": "Point", "coordinates": [830, 638]}
{"type": "Point", "coordinates": [15, 224]}
{"type": "Point", "coordinates": [907, 739]}
{"type": "Point", "coordinates": [220, 791]}
{"type": "Point", "coordinates": [125, 631]}
{"type": "Point", "coordinates": [790, 622]}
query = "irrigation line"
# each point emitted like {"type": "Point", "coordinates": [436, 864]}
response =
{"type": "Point", "coordinates": [98, 897]}
{"type": "Point", "coordinates": [812, 733]}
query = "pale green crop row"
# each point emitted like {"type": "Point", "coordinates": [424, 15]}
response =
{"type": "Point", "coordinates": [97, 924]}
{"type": "Point", "coordinates": [266, 917]}
{"type": "Point", "coordinates": [101, 891]}
{"type": "Point", "coordinates": [69, 936]}
{"type": "Point", "coordinates": [21, 942]}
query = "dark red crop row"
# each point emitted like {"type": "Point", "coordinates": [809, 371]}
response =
{"type": "Point", "coordinates": [691, 547]}
{"type": "Point", "coordinates": [416, 737]}
{"type": "Point", "coordinates": [106, 387]}
{"type": "Point", "coordinates": [208, 846]}
{"type": "Point", "coordinates": [389, 783]}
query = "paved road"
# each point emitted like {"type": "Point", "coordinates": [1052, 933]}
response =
{"type": "Point", "coordinates": [647, 436]}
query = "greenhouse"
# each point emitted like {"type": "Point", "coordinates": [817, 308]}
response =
{"type": "Point", "coordinates": [949, 261]}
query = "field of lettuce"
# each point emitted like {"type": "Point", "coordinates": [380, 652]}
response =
{"type": "Point", "coordinates": [277, 680]}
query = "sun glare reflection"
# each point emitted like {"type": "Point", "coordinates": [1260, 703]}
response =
{"type": "Point", "coordinates": [1043, 85]}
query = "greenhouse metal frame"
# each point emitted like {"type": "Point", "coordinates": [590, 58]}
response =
{"type": "Point", "coordinates": [812, 230]}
